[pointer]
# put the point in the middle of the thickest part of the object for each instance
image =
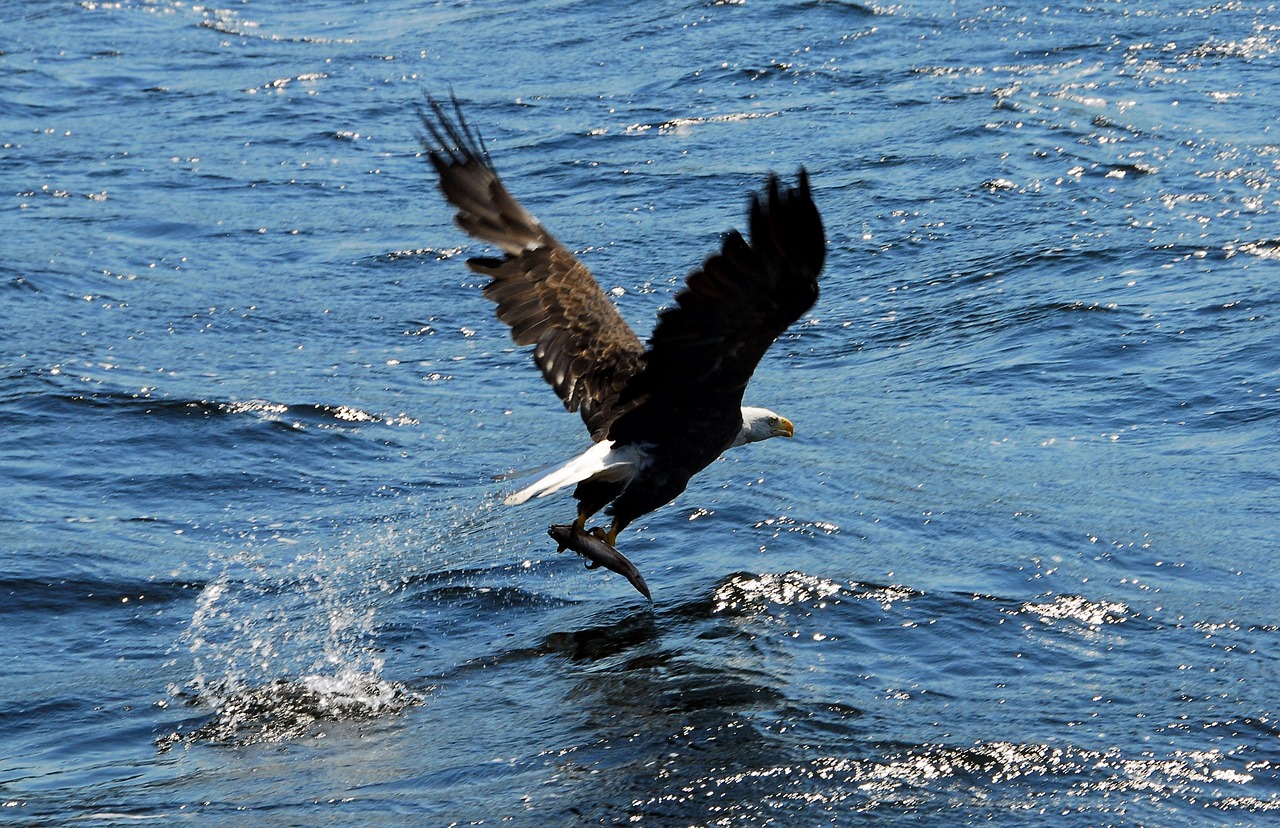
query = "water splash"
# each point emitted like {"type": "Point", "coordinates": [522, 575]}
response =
{"type": "Point", "coordinates": [281, 646]}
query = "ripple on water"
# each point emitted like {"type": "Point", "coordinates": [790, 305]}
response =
{"type": "Point", "coordinates": [1079, 609]}
{"type": "Point", "coordinates": [985, 778]}
{"type": "Point", "coordinates": [749, 594]}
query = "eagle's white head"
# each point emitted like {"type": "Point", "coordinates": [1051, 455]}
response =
{"type": "Point", "coordinates": [761, 424]}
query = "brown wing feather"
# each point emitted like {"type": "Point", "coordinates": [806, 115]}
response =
{"type": "Point", "coordinates": [704, 349]}
{"type": "Point", "coordinates": [583, 346]}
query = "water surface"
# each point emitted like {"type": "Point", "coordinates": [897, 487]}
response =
{"type": "Point", "coordinates": [1016, 565]}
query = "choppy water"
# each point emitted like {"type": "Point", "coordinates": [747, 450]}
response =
{"type": "Point", "coordinates": [1017, 565]}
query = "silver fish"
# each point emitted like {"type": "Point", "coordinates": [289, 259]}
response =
{"type": "Point", "coordinates": [598, 553]}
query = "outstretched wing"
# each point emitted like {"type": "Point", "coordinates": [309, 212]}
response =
{"type": "Point", "coordinates": [705, 348]}
{"type": "Point", "coordinates": [583, 346]}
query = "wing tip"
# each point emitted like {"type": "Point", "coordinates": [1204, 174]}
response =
{"type": "Point", "coordinates": [789, 220]}
{"type": "Point", "coordinates": [449, 139]}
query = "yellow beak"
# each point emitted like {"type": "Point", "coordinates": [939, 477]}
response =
{"type": "Point", "coordinates": [784, 428]}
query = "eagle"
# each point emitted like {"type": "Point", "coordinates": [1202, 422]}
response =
{"type": "Point", "coordinates": [657, 414]}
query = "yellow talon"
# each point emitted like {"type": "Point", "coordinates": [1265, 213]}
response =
{"type": "Point", "coordinates": [611, 537]}
{"type": "Point", "coordinates": [580, 523]}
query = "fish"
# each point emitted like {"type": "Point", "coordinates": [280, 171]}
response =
{"type": "Point", "coordinates": [598, 553]}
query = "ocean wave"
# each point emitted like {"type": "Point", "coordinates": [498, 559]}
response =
{"type": "Point", "coordinates": [750, 593]}
{"type": "Point", "coordinates": [1078, 609]}
{"type": "Point", "coordinates": [66, 595]}
{"type": "Point", "coordinates": [999, 776]}
{"type": "Point", "coordinates": [295, 416]}
{"type": "Point", "coordinates": [1262, 248]}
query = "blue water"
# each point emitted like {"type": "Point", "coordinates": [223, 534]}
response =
{"type": "Point", "coordinates": [1016, 567]}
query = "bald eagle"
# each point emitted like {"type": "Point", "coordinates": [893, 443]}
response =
{"type": "Point", "coordinates": [656, 415]}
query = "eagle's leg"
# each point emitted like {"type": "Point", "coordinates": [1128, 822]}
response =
{"type": "Point", "coordinates": [610, 537]}
{"type": "Point", "coordinates": [592, 496]}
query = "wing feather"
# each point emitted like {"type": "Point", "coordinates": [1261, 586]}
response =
{"type": "Point", "coordinates": [705, 348]}
{"type": "Point", "coordinates": [583, 346]}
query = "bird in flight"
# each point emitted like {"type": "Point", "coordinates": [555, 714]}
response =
{"type": "Point", "coordinates": [659, 414]}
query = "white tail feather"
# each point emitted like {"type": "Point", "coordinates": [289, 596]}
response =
{"type": "Point", "coordinates": [598, 461]}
